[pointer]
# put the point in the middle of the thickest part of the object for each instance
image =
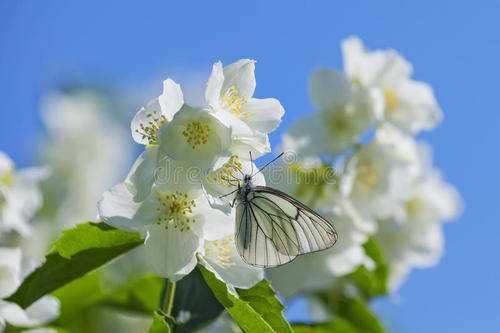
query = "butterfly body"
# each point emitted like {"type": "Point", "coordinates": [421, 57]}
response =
{"type": "Point", "coordinates": [272, 228]}
{"type": "Point", "coordinates": [244, 189]}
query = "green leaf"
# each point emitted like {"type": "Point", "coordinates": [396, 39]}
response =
{"type": "Point", "coordinates": [79, 297]}
{"type": "Point", "coordinates": [248, 310]}
{"type": "Point", "coordinates": [160, 323]}
{"type": "Point", "coordinates": [14, 329]}
{"type": "Point", "coordinates": [372, 283]}
{"type": "Point", "coordinates": [77, 252]}
{"type": "Point", "coordinates": [358, 314]}
{"type": "Point", "coordinates": [75, 298]}
{"type": "Point", "coordinates": [338, 325]}
{"type": "Point", "coordinates": [195, 302]}
{"type": "Point", "coordinates": [243, 314]}
{"type": "Point", "coordinates": [355, 311]}
{"type": "Point", "coordinates": [262, 299]}
{"type": "Point", "coordinates": [139, 296]}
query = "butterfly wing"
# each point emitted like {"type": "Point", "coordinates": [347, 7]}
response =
{"type": "Point", "coordinates": [273, 228]}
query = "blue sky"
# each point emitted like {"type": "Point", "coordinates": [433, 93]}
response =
{"type": "Point", "coordinates": [454, 46]}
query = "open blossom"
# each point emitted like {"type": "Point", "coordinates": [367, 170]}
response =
{"type": "Point", "coordinates": [409, 104]}
{"type": "Point", "coordinates": [171, 129]}
{"type": "Point", "coordinates": [41, 312]}
{"type": "Point", "coordinates": [20, 196]}
{"type": "Point", "coordinates": [197, 137]}
{"type": "Point", "coordinates": [378, 178]}
{"type": "Point", "coordinates": [229, 95]}
{"type": "Point", "coordinates": [148, 121]}
{"type": "Point", "coordinates": [415, 239]}
{"type": "Point", "coordinates": [175, 216]}
{"type": "Point", "coordinates": [345, 112]}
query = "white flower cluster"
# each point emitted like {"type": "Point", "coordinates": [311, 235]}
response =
{"type": "Point", "coordinates": [20, 198]}
{"type": "Point", "coordinates": [173, 191]}
{"type": "Point", "coordinates": [79, 149]}
{"type": "Point", "coordinates": [386, 187]}
{"type": "Point", "coordinates": [80, 146]}
{"type": "Point", "coordinates": [12, 272]}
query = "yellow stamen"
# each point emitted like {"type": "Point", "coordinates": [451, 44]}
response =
{"type": "Point", "coordinates": [149, 129]}
{"type": "Point", "coordinates": [221, 252]}
{"type": "Point", "coordinates": [174, 209]}
{"type": "Point", "coordinates": [235, 103]}
{"type": "Point", "coordinates": [367, 178]}
{"type": "Point", "coordinates": [7, 178]}
{"type": "Point", "coordinates": [225, 173]}
{"type": "Point", "coordinates": [391, 102]}
{"type": "Point", "coordinates": [197, 133]}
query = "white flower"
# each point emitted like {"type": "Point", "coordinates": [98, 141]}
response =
{"type": "Point", "coordinates": [346, 112]}
{"type": "Point", "coordinates": [222, 258]}
{"type": "Point", "coordinates": [229, 94]}
{"type": "Point", "coordinates": [409, 104]}
{"type": "Point", "coordinates": [41, 312]}
{"type": "Point", "coordinates": [176, 217]}
{"type": "Point", "coordinates": [87, 152]}
{"type": "Point", "coordinates": [195, 136]}
{"type": "Point", "coordinates": [20, 197]}
{"type": "Point", "coordinates": [378, 178]}
{"type": "Point", "coordinates": [148, 121]}
{"type": "Point", "coordinates": [415, 238]}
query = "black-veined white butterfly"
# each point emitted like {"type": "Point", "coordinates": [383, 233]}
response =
{"type": "Point", "coordinates": [272, 228]}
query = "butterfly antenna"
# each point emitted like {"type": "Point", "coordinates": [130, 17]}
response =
{"type": "Point", "coordinates": [225, 195]}
{"type": "Point", "coordinates": [265, 166]}
{"type": "Point", "coordinates": [230, 181]}
{"type": "Point", "coordinates": [251, 161]}
{"type": "Point", "coordinates": [242, 173]}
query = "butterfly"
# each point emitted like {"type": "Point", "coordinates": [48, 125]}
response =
{"type": "Point", "coordinates": [273, 228]}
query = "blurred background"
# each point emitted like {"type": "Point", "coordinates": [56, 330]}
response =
{"type": "Point", "coordinates": [125, 50]}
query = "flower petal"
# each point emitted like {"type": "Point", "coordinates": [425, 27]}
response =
{"type": "Point", "coordinates": [417, 107]}
{"type": "Point", "coordinates": [118, 208]}
{"type": "Point", "coordinates": [240, 74]}
{"type": "Point", "coordinates": [216, 224]}
{"type": "Point", "coordinates": [171, 252]}
{"type": "Point", "coordinates": [214, 85]}
{"type": "Point", "coordinates": [258, 144]}
{"type": "Point", "coordinates": [329, 89]}
{"type": "Point", "coordinates": [380, 67]}
{"type": "Point", "coordinates": [171, 100]}
{"type": "Point", "coordinates": [265, 114]}
{"type": "Point", "coordinates": [142, 173]}
{"type": "Point", "coordinates": [308, 138]}
{"type": "Point", "coordinates": [13, 218]}
{"type": "Point", "coordinates": [173, 175]}
{"type": "Point", "coordinates": [41, 312]}
{"type": "Point", "coordinates": [10, 270]}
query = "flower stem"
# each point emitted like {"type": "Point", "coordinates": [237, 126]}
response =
{"type": "Point", "coordinates": [167, 297]}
